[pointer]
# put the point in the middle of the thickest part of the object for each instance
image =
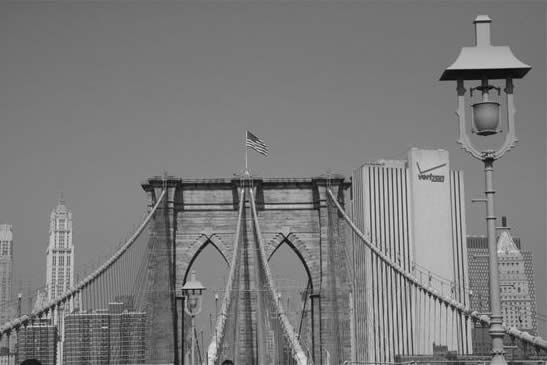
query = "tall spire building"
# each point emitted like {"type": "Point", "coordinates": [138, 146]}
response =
{"type": "Point", "coordinates": [60, 265]}
{"type": "Point", "coordinates": [6, 271]}
{"type": "Point", "coordinates": [516, 281]}
{"type": "Point", "coordinates": [60, 252]}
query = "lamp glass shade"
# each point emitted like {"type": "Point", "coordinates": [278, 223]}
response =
{"type": "Point", "coordinates": [193, 304]}
{"type": "Point", "coordinates": [486, 117]}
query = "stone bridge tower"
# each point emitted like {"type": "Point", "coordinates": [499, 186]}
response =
{"type": "Point", "coordinates": [295, 211]}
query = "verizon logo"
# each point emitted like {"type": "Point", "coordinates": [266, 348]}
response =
{"type": "Point", "coordinates": [423, 174]}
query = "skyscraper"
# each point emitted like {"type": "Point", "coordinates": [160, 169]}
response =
{"type": "Point", "coordinates": [413, 211]}
{"type": "Point", "coordinates": [6, 272]}
{"type": "Point", "coordinates": [60, 264]}
{"type": "Point", "coordinates": [516, 281]}
{"type": "Point", "coordinates": [60, 252]}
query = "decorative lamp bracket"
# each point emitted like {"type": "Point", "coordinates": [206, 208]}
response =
{"type": "Point", "coordinates": [486, 88]}
{"type": "Point", "coordinates": [510, 138]}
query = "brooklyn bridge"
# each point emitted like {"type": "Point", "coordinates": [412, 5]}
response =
{"type": "Point", "coordinates": [368, 298]}
{"type": "Point", "coordinates": [383, 253]}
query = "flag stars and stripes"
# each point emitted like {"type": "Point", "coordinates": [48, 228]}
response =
{"type": "Point", "coordinates": [257, 144]}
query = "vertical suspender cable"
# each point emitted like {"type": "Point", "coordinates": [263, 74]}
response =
{"type": "Point", "coordinates": [419, 325]}
{"type": "Point", "coordinates": [447, 326]}
{"type": "Point", "coordinates": [434, 321]}
{"type": "Point", "coordinates": [439, 320]}
{"type": "Point", "coordinates": [100, 295]}
{"type": "Point", "coordinates": [86, 290]}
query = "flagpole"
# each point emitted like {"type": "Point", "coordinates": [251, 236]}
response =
{"type": "Point", "coordinates": [246, 149]}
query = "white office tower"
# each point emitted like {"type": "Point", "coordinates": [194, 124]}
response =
{"type": "Point", "coordinates": [6, 272]}
{"type": "Point", "coordinates": [414, 212]}
{"type": "Point", "coordinates": [60, 265]}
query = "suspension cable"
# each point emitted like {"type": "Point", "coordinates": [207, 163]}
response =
{"type": "Point", "coordinates": [298, 353]}
{"type": "Point", "coordinates": [213, 350]}
{"type": "Point", "coordinates": [90, 279]}
{"type": "Point", "coordinates": [536, 341]}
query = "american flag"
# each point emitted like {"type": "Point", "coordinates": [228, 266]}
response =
{"type": "Point", "coordinates": [257, 144]}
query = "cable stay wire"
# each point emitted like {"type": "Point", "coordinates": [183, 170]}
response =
{"type": "Point", "coordinates": [95, 282]}
{"type": "Point", "coordinates": [297, 352]}
{"type": "Point", "coordinates": [535, 341]}
{"type": "Point", "coordinates": [219, 331]}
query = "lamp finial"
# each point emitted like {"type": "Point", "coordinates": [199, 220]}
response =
{"type": "Point", "coordinates": [482, 31]}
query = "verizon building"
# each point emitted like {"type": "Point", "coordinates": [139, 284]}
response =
{"type": "Point", "coordinates": [414, 212]}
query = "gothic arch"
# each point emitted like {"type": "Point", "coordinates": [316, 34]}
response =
{"type": "Point", "coordinates": [298, 247]}
{"type": "Point", "coordinates": [193, 251]}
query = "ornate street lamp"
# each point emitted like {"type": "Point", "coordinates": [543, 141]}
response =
{"type": "Point", "coordinates": [192, 291]}
{"type": "Point", "coordinates": [486, 63]}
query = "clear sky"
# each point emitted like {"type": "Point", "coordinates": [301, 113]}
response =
{"type": "Point", "coordinates": [97, 96]}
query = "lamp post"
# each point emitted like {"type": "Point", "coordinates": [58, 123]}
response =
{"type": "Point", "coordinates": [216, 316]}
{"type": "Point", "coordinates": [192, 291]}
{"type": "Point", "coordinates": [485, 63]}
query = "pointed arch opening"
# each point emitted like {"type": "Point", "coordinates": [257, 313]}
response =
{"type": "Point", "coordinates": [212, 268]}
{"type": "Point", "coordinates": [294, 282]}
{"type": "Point", "coordinates": [205, 242]}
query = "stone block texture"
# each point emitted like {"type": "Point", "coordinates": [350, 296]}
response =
{"type": "Point", "coordinates": [295, 211]}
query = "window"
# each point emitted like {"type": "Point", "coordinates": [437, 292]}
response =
{"type": "Point", "coordinates": [61, 224]}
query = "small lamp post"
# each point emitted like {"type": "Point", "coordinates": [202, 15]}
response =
{"type": "Point", "coordinates": [485, 63]}
{"type": "Point", "coordinates": [192, 291]}
{"type": "Point", "coordinates": [216, 316]}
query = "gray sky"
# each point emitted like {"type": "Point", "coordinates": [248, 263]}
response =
{"type": "Point", "coordinates": [97, 96]}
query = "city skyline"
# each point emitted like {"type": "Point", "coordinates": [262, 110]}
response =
{"type": "Point", "coordinates": [99, 102]}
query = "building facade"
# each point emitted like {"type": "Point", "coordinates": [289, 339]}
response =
{"type": "Point", "coordinates": [60, 264]}
{"type": "Point", "coordinates": [7, 359]}
{"type": "Point", "coordinates": [6, 356]}
{"type": "Point", "coordinates": [517, 290]}
{"type": "Point", "coordinates": [60, 252]}
{"type": "Point", "coordinates": [6, 272]}
{"type": "Point", "coordinates": [38, 341]}
{"type": "Point", "coordinates": [103, 337]}
{"type": "Point", "coordinates": [414, 212]}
